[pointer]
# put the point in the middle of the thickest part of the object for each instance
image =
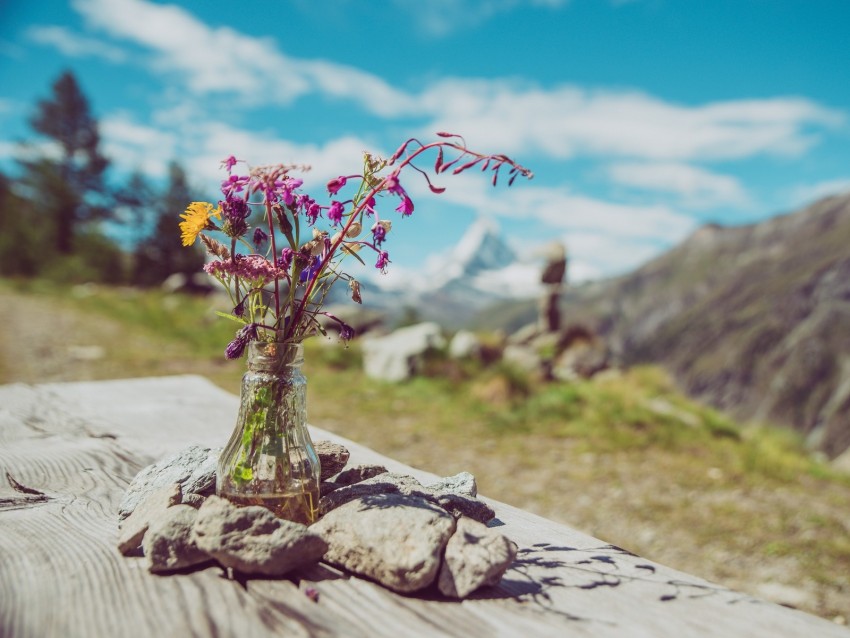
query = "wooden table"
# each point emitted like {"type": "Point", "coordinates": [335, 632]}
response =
{"type": "Point", "coordinates": [68, 452]}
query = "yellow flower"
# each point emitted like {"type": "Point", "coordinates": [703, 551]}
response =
{"type": "Point", "coordinates": [195, 219]}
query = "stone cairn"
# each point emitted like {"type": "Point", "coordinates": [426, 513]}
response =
{"type": "Point", "coordinates": [171, 516]}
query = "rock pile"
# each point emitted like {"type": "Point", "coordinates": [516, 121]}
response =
{"type": "Point", "coordinates": [170, 514]}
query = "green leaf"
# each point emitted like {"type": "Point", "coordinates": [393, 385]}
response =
{"type": "Point", "coordinates": [356, 256]}
{"type": "Point", "coordinates": [231, 317]}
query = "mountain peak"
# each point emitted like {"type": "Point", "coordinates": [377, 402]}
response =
{"type": "Point", "coordinates": [481, 248]}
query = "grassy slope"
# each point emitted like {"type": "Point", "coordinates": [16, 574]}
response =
{"type": "Point", "coordinates": [625, 457]}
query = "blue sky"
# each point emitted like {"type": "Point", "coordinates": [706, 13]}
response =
{"type": "Point", "coordinates": [641, 119]}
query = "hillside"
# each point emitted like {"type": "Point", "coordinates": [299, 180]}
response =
{"type": "Point", "coordinates": [752, 319]}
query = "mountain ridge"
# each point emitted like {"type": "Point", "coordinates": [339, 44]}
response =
{"type": "Point", "coordinates": [752, 319]}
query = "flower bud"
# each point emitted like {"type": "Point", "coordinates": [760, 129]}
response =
{"type": "Point", "coordinates": [355, 290]}
{"type": "Point", "coordinates": [354, 230]}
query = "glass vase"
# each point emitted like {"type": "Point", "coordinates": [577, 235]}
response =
{"type": "Point", "coordinates": [270, 459]}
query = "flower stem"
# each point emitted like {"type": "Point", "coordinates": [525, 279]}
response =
{"type": "Point", "coordinates": [274, 258]}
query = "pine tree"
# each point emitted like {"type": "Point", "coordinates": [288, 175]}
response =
{"type": "Point", "coordinates": [163, 254]}
{"type": "Point", "coordinates": [19, 233]}
{"type": "Point", "coordinates": [68, 189]}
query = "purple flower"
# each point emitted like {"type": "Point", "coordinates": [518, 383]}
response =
{"type": "Point", "coordinates": [336, 184]}
{"type": "Point", "coordinates": [234, 184]}
{"type": "Point", "coordinates": [285, 260]}
{"type": "Point", "coordinates": [236, 212]}
{"type": "Point", "coordinates": [309, 207]}
{"type": "Point", "coordinates": [370, 206]}
{"type": "Point", "coordinates": [286, 190]}
{"type": "Point", "coordinates": [406, 206]}
{"type": "Point", "coordinates": [346, 332]}
{"type": "Point", "coordinates": [379, 233]}
{"type": "Point", "coordinates": [383, 261]}
{"type": "Point", "coordinates": [311, 271]}
{"type": "Point", "coordinates": [236, 347]}
{"type": "Point", "coordinates": [303, 201]}
{"type": "Point", "coordinates": [335, 212]}
{"type": "Point", "coordinates": [260, 238]}
{"type": "Point", "coordinates": [392, 184]}
{"type": "Point", "coordinates": [313, 212]}
{"type": "Point", "coordinates": [229, 163]}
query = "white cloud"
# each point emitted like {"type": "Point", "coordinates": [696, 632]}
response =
{"type": "Point", "coordinates": [596, 255]}
{"type": "Point", "coordinates": [74, 45]}
{"type": "Point", "coordinates": [567, 121]}
{"type": "Point", "coordinates": [510, 115]}
{"type": "Point", "coordinates": [697, 187]}
{"type": "Point", "coordinates": [558, 208]}
{"type": "Point", "coordinates": [442, 17]}
{"type": "Point", "coordinates": [214, 141]}
{"type": "Point", "coordinates": [200, 144]}
{"type": "Point", "coordinates": [807, 193]}
{"type": "Point", "coordinates": [8, 150]}
{"type": "Point", "coordinates": [604, 237]}
{"type": "Point", "coordinates": [133, 146]}
{"type": "Point", "coordinates": [222, 60]}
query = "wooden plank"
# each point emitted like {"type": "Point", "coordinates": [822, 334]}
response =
{"type": "Point", "coordinates": [78, 445]}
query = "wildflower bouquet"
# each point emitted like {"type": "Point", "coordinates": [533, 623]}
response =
{"type": "Point", "coordinates": [278, 285]}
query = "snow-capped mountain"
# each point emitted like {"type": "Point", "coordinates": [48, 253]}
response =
{"type": "Point", "coordinates": [484, 265]}
{"type": "Point", "coordinates": [480, 270]}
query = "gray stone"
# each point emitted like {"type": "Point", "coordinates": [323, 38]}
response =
{"type": "Point", "coordinates": [464, 345]}
{"type": "Point", "coordinates": [326, 487]}
{"type": "Point", "coordinates": [461, 505]}
{"type": "Point", "coordinates": [475, 556]}
{"type": "Point", "coordinates": [522, 357]}
{"type": "Point", "coordinates": [134, 527]}
{"type": "Point", "coordinates": [398, 356]}
{"type": "Point", "coordinates": [359, 473]}
{"type": "Point", "coordinates": [581, 359]}
{"type": "Point", "coordinates": [332, 457]}
{"type": "Point", "coordinates": [524, 335]}
{"type": "Point", "coordinates": [462, 483]}
{"type": "Point", "coordinates": [394, 539]}
{"type": "Point", "coordinates": [194, 500]}
{"type": "Point", "coordinates": [387, 483]}
{"type": "Point", "coordinates": [454, 503]}
{"type": "Point", "coordinates": [168, 543]}
{"type": "Point", "coordinates": [252, 540]}
{"type": "Point", "coordinates": [193, 468]}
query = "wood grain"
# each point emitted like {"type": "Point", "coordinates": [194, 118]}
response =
{"type": "Point", "coordinates": [68, 451]}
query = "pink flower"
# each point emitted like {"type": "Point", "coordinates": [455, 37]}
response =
{"type": "Point", "coordinates": [335, 213]}
{"type": "Point", "coordinates": [229, 163]}
{"type": "Point", "coordinates": [392, 184]}
{"type": "Point", "coordinates": [336, 184]}
{"type": "Point", "coordinates": [234, 184]}
{"type": "Point", "coordinates": [370, 206]}
{"type": "Point", "coordinates": [406, 206]}
{"type": "Point", "coordinates": [383, 261]}
{"type": "Point", "coordinates": [251, 267]}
